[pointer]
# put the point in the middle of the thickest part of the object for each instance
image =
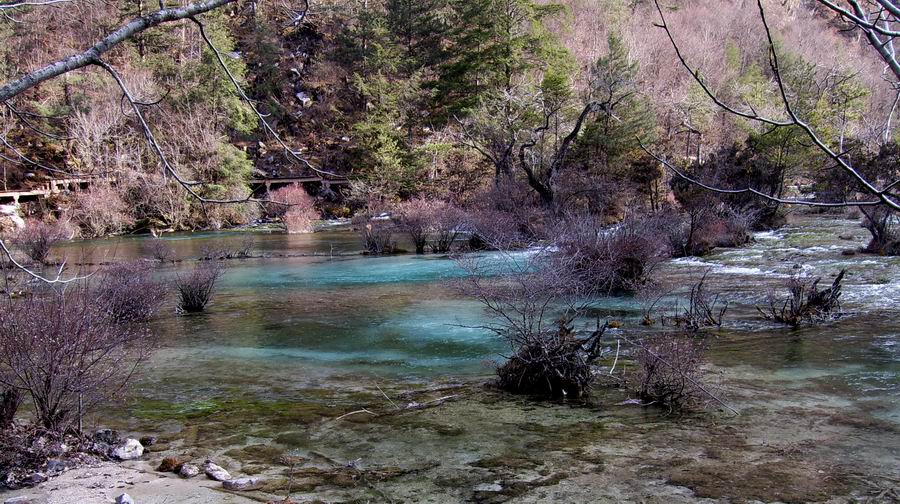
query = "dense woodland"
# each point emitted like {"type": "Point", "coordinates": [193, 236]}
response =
{"type": "Point", "coordinates": [512, 104]}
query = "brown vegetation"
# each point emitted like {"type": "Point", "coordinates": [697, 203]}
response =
{"type": "Point", "coordinates": [37, 238]}
{"type": "Point", "coordinates": [196, 288]}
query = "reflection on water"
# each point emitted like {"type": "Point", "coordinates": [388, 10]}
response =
{"type": "Point", "coordinates": [291, 340]}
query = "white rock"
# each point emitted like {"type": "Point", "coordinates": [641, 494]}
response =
{"type": "Point", "coordinates": [215, 472]}
{"type": "Point", "coordinates": [124, 499]}
{"type": "Point", "coordinates": [22, 499]}
{"type": "Point", "coordinates": [241, 484]}
{"type": "Point", "coordinates": [132, 449]}
{"type": "Point", "coordinates": [188, 471]}
{"type": "Point", "coordinates": [488, 487]}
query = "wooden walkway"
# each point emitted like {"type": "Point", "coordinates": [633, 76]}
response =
{"type": "Point", "coordinates": [56, 186]}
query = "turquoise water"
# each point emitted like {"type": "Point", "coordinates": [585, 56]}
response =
{"type": "Point", "coordinates": [289, 344]}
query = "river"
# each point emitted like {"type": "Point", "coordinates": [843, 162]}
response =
{"type": "Point", "coordinates": [369, 372]}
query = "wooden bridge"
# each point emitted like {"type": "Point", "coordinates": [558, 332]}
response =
{"type": "Point", "coordinates": [52, 186]}
{"type": "Point", "coordinates": [57, 186]}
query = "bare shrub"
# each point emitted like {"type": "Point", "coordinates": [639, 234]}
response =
{"type": "Point", "coordinates": [669, 371]}
{"type": "Point", "coordinates": [130, 292]}
{"type": "Point", "coordinates": [414, 218]}
{"type": "Point", "coordinates": [295, 207]}
{"type": "Point", "coordinates": [531, 307]}
{"type": "Point", "coordinates": [433, 224]}
{"type": "Point", "coordinates": [805, 304]}
{"type": "Point", "coordinates": [158, 250]}
{"type": "Point", "coordinates": [66, 350]}
{"type": "Point", "coordinates": [884, 226]}
{"type": "Point", "coordinates": [703, 309]}
{"type": "Point", "coordinates": [611, 259]}
{"type": "Point", "coordinates": [378, 232]}
{"type": "Point", "coordinates": [37, 238]}
{"type": "Point", "coordinates": [195, 289]}
{"type": "Point", "coordinates": [101, 211]}
{"type": "Point", "coordinates": [506, 215]}
{"type": "Point", "coordinates": [220, 251]}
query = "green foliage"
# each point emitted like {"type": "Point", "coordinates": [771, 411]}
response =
{"type": "Point", "coordinates": [212, 86]}
{"type": "Point", "coordinates": [625, 120]}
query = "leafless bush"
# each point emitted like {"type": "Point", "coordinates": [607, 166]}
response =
{"type": "Point", "coordinates": [158, 250]}
{"type": "Point", "coordinates": [66, 350]}
{"type": "Point", "coordinates": [295, 207]}
{"type": "Point", "coordinates": [531, 307]}
{"type": "Point", "coordinates": [704, 309]}
{"type": "Point", "coordinates": [669, 371]}
{"type": "Point", "coordinates": [506, 216]}
{"type": "Point", "coordinates": [413, 218]}
{"type": "Point", "coordinates": [378, 232]}
{"type": "Point", "coordinates": [435, 224]}
{"type": "Point", "coordinates": [805, 304]}
{"type": "Point", "coordinates": [884, 226]}
{"type": "Point", "coordinates": [37, 238]}
{"type": "Point", "coordinates": [101, 211]}
{"type": "Point", "coordinates": [604, 260]}
{"type": "Point", "coordinates": [195, 289]}
{"type": "Point", "coordinates": [130, 293]}
{"type": "Point", "coordinates": [220, 251]}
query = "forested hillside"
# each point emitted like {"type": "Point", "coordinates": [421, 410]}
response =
{"type": "Point", "coordinates": [572, 103]}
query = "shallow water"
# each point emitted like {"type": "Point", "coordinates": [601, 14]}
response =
{"type": "Point", "coordinates": [291, 344]}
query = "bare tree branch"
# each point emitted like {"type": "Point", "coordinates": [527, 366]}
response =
{"type": "Point", "coordinates": [883, 195]}
{"type": "Point", "coordinates": [93, 54]}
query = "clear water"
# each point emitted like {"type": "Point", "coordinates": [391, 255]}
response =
{"type": "Point", "coordinates": [291, 343]}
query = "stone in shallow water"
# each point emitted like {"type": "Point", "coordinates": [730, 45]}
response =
{"type": "Point", "coordinates": [188, 471]}
{"type": "Point", "coordinates": [215, 472]}
{"type": "Point", "coordinates": [172, 464]}
{"type": "Point", "coordinates": [148, 440]}
{"type": "Point", "coordinates": [132, 449]}
{"type": "Point", "coordinates": [241, 484]}
{"type": "Point", "coordinates": [124, 499]}
{"type": "Point", "coordinates": [22, 499]}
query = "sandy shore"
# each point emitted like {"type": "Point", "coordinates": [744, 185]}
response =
{"type": "Point", "coordinates": [103, 483]}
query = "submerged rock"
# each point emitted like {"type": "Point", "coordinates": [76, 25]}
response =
{"type": "Point", "coordinates": [188, 471]}
{"type": "Point", "coordinates": [132, 449]}
{"type": "Point", "coordinates": [124, 499]}
{"type": "Point", "coordinates": [241, 484]}
{"type": "Point", "coordinates": [215, 472]}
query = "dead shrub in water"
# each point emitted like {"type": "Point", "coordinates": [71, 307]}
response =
{"type": "Point", "coordinates": [704, 309]}
{"type": "Point", "coordinates": [158, 250]}
{"type": "Point", "coordinates": [532, 308]}
{"type": "Point", "coordinates": [805, 304]}
{"type": "Point", "coordinates": [219, 251]}
{"type": "Point", "coordinates": [67, 350]}
{"type": "Point", "coordinates": [433, 224]}
{"type": "Point", "coordinates": [378, 232]}
{"type": "Point", "coordinates": [670, 371]}
{"type": "Point", "coordinates": [130, 292]}
{"type": "Point", "coordinates": [604, 260]}
{"type": "Point", "coordinates": [884, 226]}
{"type": "Point", "coordinates": [195, 289]}
{"type": "Point", "coordinates": [38, 237]}
{"type": "Point", "coordinates": [506, 216]}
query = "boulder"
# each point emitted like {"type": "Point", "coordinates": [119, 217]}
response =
{"type": "Point", "coordinates": [124, 499]}
{"type": "Point", "coordinates": [188, 471]}
{"type": "Point", "coordinates": [241, 484]}
{"type": "Point", "coordinates": [130, 450]}
{"type": "Point", "coordinates": [215, 472]}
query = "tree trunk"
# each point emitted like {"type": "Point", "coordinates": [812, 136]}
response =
{"type": "Point", "coordinates": [9, 405]}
